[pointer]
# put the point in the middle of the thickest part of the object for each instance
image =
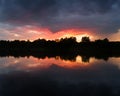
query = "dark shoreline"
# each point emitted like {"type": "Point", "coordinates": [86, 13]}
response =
{"type": "Point", "coordinates": [67, 48]}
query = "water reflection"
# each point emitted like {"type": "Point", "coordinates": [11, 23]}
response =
{"type": "Point", "coordinates": [31, 63]}
{"type": "Point", "coordinates": [8, 64]}
{"type": "Point", "coordinates": [56, 76]}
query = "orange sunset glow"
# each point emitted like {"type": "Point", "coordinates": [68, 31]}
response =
{"type": "Point", "coordinates": [32, 33]}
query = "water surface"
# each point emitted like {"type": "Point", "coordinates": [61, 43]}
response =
{"type": "Point", "coordinates": [29, 76]}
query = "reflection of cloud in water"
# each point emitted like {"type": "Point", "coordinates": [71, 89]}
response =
{"type": "Point", "coordinates": [8, 64]}
{"type": "Point", "coordinates": [115, 61]}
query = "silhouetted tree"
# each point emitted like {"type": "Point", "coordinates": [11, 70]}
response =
{"type": "Point", "coordinates": [102, 41]}
{"type": "Point", "coordinates": [105, 40]}
{"type": "Point", "coordinates": [85, 59]}
{"type": "Point", "coordinates": [68, 40]}
{"type": "Point", "coordinates": [85, 39]}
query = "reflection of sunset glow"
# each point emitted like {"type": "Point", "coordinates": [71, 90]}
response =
{"type": "Point", "coordinates": [79, 60]}
{"type": "Point", "coordinates": [33, 64]}
{"type": "Point", "coordinates": [61, 63]}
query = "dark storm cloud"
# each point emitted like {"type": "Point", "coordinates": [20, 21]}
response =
{"type": "Point", "coordinates": [88, 6]}
{"type": "Point", "coordinates": [26, 10]}
{"type": "Point", "coordinates": [58, 14]}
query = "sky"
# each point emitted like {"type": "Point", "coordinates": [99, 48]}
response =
{"type": "Point", "coordinates": [54, 19]}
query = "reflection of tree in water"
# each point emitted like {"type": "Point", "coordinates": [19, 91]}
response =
{"type": "Point", "coordinates": [105, 58]}
{"type": "Point", "coordinates": [67, 57]}
{"type": "Point", "coordinates": [85, 59]}
{"type": "Point", "coordinates": [71, 58]}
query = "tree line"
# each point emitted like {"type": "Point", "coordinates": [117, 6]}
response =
{"type": "Point", "coordinates": [62, 46]}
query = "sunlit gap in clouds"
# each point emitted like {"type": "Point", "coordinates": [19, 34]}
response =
{"type": "Point", "coordinates": [29, 32]}
{"type": "Point", "coordinates": [33, 32]}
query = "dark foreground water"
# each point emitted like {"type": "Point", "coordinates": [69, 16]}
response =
{"type": "Point", "coordinates": [56, 77]}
